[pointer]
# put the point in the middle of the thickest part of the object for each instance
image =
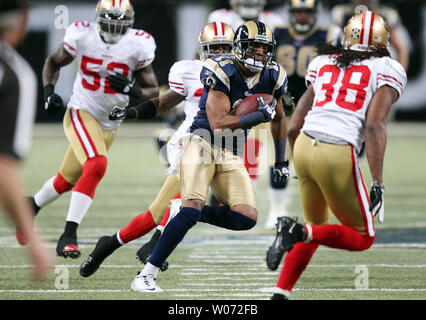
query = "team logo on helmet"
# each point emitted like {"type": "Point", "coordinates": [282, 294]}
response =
{"type": "Point", "coordinates": [364, 31]}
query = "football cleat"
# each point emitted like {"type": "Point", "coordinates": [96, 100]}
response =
{"type": "Point", "coordinates": [68, 247]}
{"type": "Point", "coordinates": [277, 296]}
{"type": "Point", "coordinates": [144, 253]}
{"type": "Point", "coordinates": [145, 283]}
{"type": "Point", "coordinates": [22, 240]}
{"type": "Point", "coordinates": [289, 232]}
{"type": "Point", "coordinates": [93, 261]}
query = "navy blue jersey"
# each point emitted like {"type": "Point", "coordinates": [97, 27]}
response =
{"type": "Point", "coordinates": [221, 73]}
{"type": "Point", "coordinates": [295, 52]}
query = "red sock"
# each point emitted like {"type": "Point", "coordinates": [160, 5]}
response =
{"type": "Point", "coordinates": [251, 157]}
{"type": "Point", "coordinates": [295, 262]}
{"type": "Point", "coordinates": [167, 213]}
{"type": "Point", "coordinates": [61, 185]}
{"type": "Point", "coordinates": [341, 237]}
{"type": "Point", "coordinates": [139, 226]}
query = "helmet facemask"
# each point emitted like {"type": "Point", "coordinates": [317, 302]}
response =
{"type": "Point", "coordinates": [248, 9]}
{"type": "Point", "coordinates": [114, 24]}
{"type": "Point", "coordinates": [299, 6]}
{"type": "Point", "coordinates": [245, 51]}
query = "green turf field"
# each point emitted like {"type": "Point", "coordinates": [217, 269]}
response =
{"type": "Point", "coordinates": [212, 263]}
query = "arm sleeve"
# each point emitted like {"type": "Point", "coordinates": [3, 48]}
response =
{"type": "Point", "coordinates": [73, 33]}
{"type": "Point", "coordinates": [147, 49]}
{"type": "Point", "coordinates": [176, 82]}
{"type": "Point", "coordinates": [214, 77]}
{"type": "Point", "coordinates": [392, 74]}
{"type": "Point", "coordinates": [311, 72]}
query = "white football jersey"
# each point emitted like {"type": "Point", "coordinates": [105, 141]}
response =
{"type": "Point", "coordinates": [98, 60]}
{"type": "Point", "coordinates": [342, 96]}
{"type": "Point", "coordinates": [232, 19]}
{"type": "Point", "coordinates": [184, 79]}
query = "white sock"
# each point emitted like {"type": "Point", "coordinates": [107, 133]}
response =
{"type": "Point", "coordinates": [254, 181]}
{"type": "Point", "coordinates": [46, 194]}
{"type": "Point", "coordinates": [277, 200]}
{"type": "Point", "coordinates": [150, 269]}
{"type": "Point", "coordinates": [79, 205]}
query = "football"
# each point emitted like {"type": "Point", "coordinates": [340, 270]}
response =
{"type": "Point", "coordinates": [250, 104]}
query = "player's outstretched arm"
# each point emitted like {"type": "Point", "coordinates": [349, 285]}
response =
{"type": "Point", "coordinates": [150, 108]}
{"type": "Point", "coordinates": [298, 118]}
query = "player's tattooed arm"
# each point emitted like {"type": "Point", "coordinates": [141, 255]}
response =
{"type": "Point", "coordinates": [54, 62]}
{"type": "Point", "coordinates": [147, 80]}
{"type": "Point", "coordinates": [298, 118]}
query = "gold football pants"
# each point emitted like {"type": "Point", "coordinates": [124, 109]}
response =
{"type": "Point", "coordinates": [87, 140]}
{"type": "Point", "coordinates": [329, 177]}
{"type": "Point", "coordinates": [205, 165]}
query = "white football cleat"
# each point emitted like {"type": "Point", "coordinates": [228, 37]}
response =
{"type": "Point", "coordinates": [145, 284]}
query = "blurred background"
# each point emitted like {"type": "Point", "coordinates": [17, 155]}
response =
{"type": "Point", "coordinates": [175, 25]}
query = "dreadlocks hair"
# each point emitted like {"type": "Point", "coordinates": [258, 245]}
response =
{"type": "Point", "coordinates": [346, 57]}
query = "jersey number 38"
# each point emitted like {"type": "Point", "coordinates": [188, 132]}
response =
{"type": "Point", "coordinates": [363, 76]}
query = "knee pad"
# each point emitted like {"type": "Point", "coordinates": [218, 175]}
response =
{"type": "Point", "coordinates": [93, 171]}
{"type": "Point", "coordinates": [61, 185]}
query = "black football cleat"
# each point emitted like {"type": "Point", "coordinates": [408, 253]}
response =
{"type": "Point", "coordinates": [68, 247]}
{"type": "Point", "coordinates": [144, 253]}
{"type": "Point", "coordinates": [277, 296]}
{"type": "Point", "coordinates": [104, 247]}
{"type": "Point", "coordinates": [289, 232]}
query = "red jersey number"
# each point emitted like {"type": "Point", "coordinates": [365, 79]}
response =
{"type": "Point", "coordinates": [94, 83]}
{"type": "Point", "coordinates": [346, 84]}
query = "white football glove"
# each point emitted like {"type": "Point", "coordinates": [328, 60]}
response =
{"type": "Point", "coordinates": [377, 201]}
{"type": "Point", "coordinates": [267, 109]}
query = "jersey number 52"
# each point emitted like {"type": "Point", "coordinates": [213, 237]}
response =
{"type": "Point", "coordinates": [95, 84]}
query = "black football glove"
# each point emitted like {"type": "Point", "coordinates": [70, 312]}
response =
{"type": "Point", "coordinates": [280, 174]}
{"type": "Point", "coordinates": [122, 84]}
{"type": "Point", "coordinates": [119, 113]}
{"type": "Point", "coordinates": [377, 201]}
{"type": "Point", "coordinates": [288, 103]}
{"type": "Point", "coordinates": [53, 103]}
{"type": "Point", "coordinates": [268, 110]}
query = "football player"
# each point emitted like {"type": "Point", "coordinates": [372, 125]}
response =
{"type": "Point", "coordinates": [399, 39]}
{"type": "Point", "coordinates": [114, 64]}
{"type": "Point", "coordinates": [241, 11]}
{"type": "Point", "coordinates": [349, 95]}
{"type": "Point", "coordinates": [295, 50]}
{"type": "Point", "coordinates": [184, 82]}
{"type": "Point", "coordinates": [212, 156]}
